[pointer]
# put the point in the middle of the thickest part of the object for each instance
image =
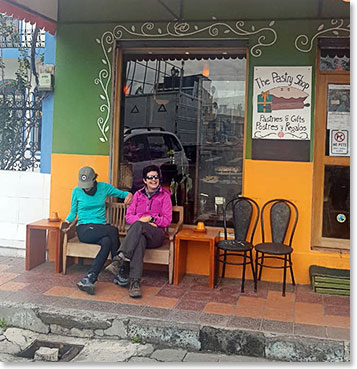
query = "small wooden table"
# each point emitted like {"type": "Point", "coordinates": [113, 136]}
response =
{"type": "Point", "coordinates": [36, 243]}
{"type": "Point", "coordinates": [181, 240]}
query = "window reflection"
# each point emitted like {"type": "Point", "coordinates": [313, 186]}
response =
{"type": "Point", "coordinates": [188, 116]}
{"type": "Point", "coordinates": [335, 59]}
{"type": "Point", "coordinates": [336, 213]}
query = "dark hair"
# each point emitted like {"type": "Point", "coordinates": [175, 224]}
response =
{"type": "Point", "coordinates": [151, 168]}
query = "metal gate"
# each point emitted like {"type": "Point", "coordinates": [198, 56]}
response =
{"type": "Point", "coordinates": [20, 131]}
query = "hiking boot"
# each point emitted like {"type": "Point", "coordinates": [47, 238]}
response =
{"type": "Point", "coordinates": [113, 267]}
{"type": "Point", "coordinates": [122, 278]}
{"type": "Point", "coordinates": [134, 288]}
{"type": "Point", "coordinates": [116, 264]}
{"type": "Point", "coordinates": [87, 284]}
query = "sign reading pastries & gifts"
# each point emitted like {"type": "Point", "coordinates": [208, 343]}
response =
{"type": "Point", "coordinates": [282, 103]}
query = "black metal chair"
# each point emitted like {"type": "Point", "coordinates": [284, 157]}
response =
{"type": "Point", "coordinates": [245, 216]}
{"type": "Point", "coordinates": [283, 217]}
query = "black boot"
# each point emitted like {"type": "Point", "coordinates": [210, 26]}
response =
{"type": "Point", "coordinates": [87, 283]}
{"type": "Point", "coordinates": [122, 278]}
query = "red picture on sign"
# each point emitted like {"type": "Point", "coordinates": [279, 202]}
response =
{"type": "Point", "coordinates": [339, 136]}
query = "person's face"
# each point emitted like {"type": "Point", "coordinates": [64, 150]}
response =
{"type": "Point", "coordinates": [152, 180]}
{"type": "Point", "coordinates": [87, 189]}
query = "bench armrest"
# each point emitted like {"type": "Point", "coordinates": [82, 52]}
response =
{"type": "Point", "coordinates": [70, 231]}
{"type": "Point", "coordinates": [173, 230]}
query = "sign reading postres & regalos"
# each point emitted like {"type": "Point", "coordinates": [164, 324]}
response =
{"type": "Point", "coordinates": [282, 103]}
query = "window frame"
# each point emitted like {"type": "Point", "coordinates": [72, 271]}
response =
{"type": "Point", "coordinates": [323, 79]}
{"type": "Point", "coordinates": [228, 48]}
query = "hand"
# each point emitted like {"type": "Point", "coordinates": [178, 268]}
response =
{"type": "Point", "coordinates": [145, 219]}
{"type": "Point", "coordinates": [153, 224]}
{"type": "Point", "coordinates": [65, 225]}
{"type": "Point", "coordinates": [128, 198]}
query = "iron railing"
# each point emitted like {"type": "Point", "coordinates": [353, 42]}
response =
{"type": "Point", "coordinates": [20, 133]}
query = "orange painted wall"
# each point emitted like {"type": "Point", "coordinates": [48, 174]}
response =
{"type": "Point", "coordinates": [64, 177]}
{"type": "Point", "coordinates": [263, 180]}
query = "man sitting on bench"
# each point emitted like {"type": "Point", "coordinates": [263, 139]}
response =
{"type": "Point", "coordinates": [149, 214]}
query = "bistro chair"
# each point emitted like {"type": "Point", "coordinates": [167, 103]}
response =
{"type": "Point", "coordinates": [245, 215]}
{"type": "Point", "coordinates": [282, 216]}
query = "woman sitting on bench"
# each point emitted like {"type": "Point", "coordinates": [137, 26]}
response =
{"type": "Point", "coordinates": [88, 202]}
{"type": "Point", "coordinates": [149, 214]}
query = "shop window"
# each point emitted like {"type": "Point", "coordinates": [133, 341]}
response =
{"type": "Point", "coordinates": [135, 150]}
{"type": "Point", "coordinates": [188, 109]}
{"type": "Point", "coordinates": [331, 193]}
{"type": "Point", "coordinates": [336, 209]}
{"type": "Point", "coordinates": [174, 144]}
{"type": "Point", "coordinates": [158, 147]}
{"type": "Point", "coordinates": [334, 54]}
{"type": "Point", "coordinates": [335, 59]}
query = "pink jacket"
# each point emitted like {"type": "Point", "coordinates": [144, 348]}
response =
{"type": "Point", "coordinates": [159, 207]}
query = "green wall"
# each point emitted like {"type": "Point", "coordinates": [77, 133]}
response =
{"type": "Point", "coordinates": [80, 58]}
{"type": "Point", "coordinates": [284, 53]}
{"type": "Point", "coordinates": [77, 98]}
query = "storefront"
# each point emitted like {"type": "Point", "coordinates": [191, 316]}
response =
{"type": "Point", "coordinates": [257, 107]}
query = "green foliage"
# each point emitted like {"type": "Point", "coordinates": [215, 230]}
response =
{"type": "Point", "coordinates": [136, 339]}
{"type": "Point", "coordinates": [3, 324]}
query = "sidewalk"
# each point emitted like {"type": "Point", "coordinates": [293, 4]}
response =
{"type": "Point", "coordinates": [300, 316]}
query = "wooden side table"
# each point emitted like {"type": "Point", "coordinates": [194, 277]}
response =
{"type": "Point", "coordinates": [36, 243]}
{"type": "Point", "coordinates": [181, 240]}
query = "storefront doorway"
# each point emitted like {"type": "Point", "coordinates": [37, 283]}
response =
{"type": "Point", "coordinates": [331, 200]}
{"type": "Point", "coordinates": [184, 110]}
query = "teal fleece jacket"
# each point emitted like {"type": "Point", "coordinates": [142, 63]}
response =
{"type": "Point", "coordinates": [91, 209]}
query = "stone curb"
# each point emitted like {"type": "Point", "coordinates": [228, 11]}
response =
{"type": "Point", "coordinates": [88, 324]}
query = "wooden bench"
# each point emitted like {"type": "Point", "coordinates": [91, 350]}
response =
{"type": "Point", "coordinates": [115, 214]}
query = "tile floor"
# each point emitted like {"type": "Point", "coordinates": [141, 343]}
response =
{"type": "Point", "coordinates": [300, 312]}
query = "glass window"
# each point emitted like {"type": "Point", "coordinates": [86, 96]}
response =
{"type": "Point", "coordinates": [336, 209]}
{"type": "Point", "coordinates": [158, 147]}
{"type": "Point", "coordinates": [135, 149]}
{"type": "Point", "coordinates": [192, 108]}
{"type": "Point", "coordinates": [338, 120]}
{"type": "Point", "coordinates": [335, 59]}
{"type": "Point", "coordinates": [174, 144]}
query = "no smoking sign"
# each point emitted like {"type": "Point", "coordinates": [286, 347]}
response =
{"type": "Point", "coordinates": [339, 142]}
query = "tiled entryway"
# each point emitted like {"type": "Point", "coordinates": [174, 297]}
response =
{"type": "Point", "coordinates": [300, 312]}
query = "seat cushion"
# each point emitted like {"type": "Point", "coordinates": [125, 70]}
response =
{"type": "Point", "coordinates": [273, 248]}
{"type": "Point", "coordinates": [234, 245]}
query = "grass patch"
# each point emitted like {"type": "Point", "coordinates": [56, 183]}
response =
{"type": "Point", "coordinates": [3, 324]}
{"type": "Point", "coordinates": [136, 339]}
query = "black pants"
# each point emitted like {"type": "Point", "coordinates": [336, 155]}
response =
{"type": "Point", "coordinates": [139, 237]}
{"type": "Point", "coordinates": [104, 235]}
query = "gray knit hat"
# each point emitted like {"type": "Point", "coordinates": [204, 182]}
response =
{"type": "Point", "coordinates": [86, 177]}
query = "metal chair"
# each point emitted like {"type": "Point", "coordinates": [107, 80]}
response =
{"type": "Point", "coordinates": [283, 217]}
{"type": "Point", "coordinates": [245, 215]}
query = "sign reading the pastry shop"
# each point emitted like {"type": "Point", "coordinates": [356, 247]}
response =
{"type": "Point", "coordinates": [282, 103]}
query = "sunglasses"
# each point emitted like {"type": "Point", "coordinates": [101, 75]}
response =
{"type": "Point", "coordinates": [152, 177]}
